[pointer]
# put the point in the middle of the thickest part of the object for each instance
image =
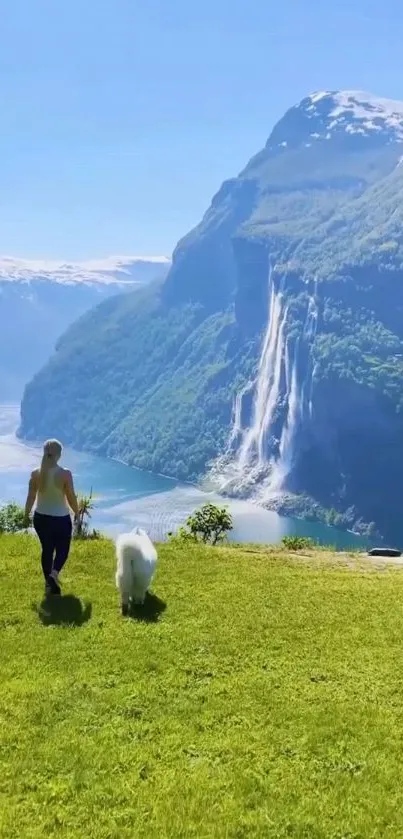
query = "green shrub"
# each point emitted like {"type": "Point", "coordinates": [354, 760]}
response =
{"type": "Point", "coordinates": [182, 535]}
{"type": "Point", "coordinates": [12, 518]}
{"type": "Point", "coordinates": [210, 524]}
{"type": "Point", "coordinates": [81, 528]}
{"type": "Point", "coordinates": [297, 543]}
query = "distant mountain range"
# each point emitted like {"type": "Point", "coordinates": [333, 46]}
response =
{"type": "Point", "coordinates": [271, 358]}
{"type": "Point", "coordinates": [39, 300]}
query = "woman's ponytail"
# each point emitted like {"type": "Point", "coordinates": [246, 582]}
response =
{"type": "Point", "coordinates": [51, 453]}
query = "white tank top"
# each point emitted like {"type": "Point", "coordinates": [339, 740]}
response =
{"type": "Point", "coordinates": [51, 501]}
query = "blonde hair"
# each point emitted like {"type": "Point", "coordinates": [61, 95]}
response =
{"type": "Point", "coordinates": [52, 451]}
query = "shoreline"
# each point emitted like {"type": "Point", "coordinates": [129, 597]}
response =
{"type": "Point", "coordinates": [279, 507]}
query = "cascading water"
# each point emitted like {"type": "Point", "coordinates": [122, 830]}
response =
{"type": "Point", "coordinates": [296, 402]}
{"type": "Point", "coordinates": [236, 426]}
{"type": "Point", "coordinates": [252, 449]}
{"type": "Point", "coordinates": [310, 402]}
{"type": "Point", "coordinates": [244, 462]}
{"type": "Point", "coordinates": [254, 462]}
{"type": "Point", "coordinates": [282, 466]}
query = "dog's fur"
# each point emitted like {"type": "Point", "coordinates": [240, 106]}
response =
{"type": "Point", "coordinates": [136, 563]}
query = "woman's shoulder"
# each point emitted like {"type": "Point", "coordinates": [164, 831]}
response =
{"type": "Point", "coordinates": [65, 473]}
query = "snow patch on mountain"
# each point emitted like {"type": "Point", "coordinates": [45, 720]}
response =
{"type": "Point", "coordinates": [361, 112]}
{"type": "Point", "coordinates": [327, 115]}
{"type": "Point", "coordinates": [115, 270]}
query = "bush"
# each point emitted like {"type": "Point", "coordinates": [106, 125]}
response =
{"type": "Point", "coordinates": [297, 543]}
{"type": "Point", "coordinates": [12, 518]}
{"type": "Point", "coordinates": [81, 528]}
{"type": "Point", "coordinates": [210, 525]}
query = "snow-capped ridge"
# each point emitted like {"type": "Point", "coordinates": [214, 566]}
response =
{"type": "Point", "coordinates": [115, 270]}
{"type": "Point", "coordinates": [364, 111]}
{"type": "Point", "coordinates": [326, 114]}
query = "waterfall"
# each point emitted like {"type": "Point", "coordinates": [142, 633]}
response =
{"type": "Point", "coordinates": [296, 401]}
{"type": "Point", "coordinates": [311, 322]}
{"type": "Point", "coordinates": [310, 402]}
{"type": "Point", "coordinates": [236, 424]}
{"type": "Point", "coordinates": [282, 466]}
{"type": "Point", "coordinates": [311, 327]}
{"type": "Point", "coordinates": [255, 463]}
{"type": "Point", "coordinates": [252, 449]}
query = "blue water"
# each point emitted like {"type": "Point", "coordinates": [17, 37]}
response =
{"type": "Point", "coordinates": [126, 497]}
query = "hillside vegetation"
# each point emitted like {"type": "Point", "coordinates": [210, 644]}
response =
{"type": "Point", "coordinates": [41, 300]}
{"type": "Point", "coordinates": [315, 217]}
{"type": "Point", "coordinates": [256, 695]}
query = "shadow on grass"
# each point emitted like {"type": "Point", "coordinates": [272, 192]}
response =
{"type": "Point", "coordinates": [66, 610]}
{"type": "Point", "coordinates": [150, 611]}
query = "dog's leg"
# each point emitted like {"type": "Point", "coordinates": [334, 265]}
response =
{"type": "Point", "coordinates": [138, 595]}
{"type": "Point", "coordinates": [124, 600]}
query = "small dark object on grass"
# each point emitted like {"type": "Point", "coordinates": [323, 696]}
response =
{"type": "Point", "coordinates": [384, 552]}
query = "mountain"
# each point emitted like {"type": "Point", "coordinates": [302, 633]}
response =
{"type": "Point", "coordinates": [38, 300]}
{"type": "Point", "coordinates": [271, 358]}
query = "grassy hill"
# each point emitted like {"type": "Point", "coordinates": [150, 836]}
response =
{"type": "Point", "coordinates": [258, 695]}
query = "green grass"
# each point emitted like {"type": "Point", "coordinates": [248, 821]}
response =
{"type": "Point", "coordinates": [266, 700]}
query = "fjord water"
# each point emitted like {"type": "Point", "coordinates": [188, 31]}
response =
{"type": "Point", "coordinates": [126, 497]}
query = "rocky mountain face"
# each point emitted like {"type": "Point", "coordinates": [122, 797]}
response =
{"type": "Point", "coordinates": [271, 358]}
{"type": "Point", "coordinates": [39, 300]}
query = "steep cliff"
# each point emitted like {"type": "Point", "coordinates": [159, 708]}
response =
{"type": "Point", "coordinates": [272, 356]}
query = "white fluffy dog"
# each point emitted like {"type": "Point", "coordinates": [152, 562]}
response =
{"type": "Point", "coordinates": [136, 563]}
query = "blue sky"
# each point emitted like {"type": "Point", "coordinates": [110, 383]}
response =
{"type": "Point", "coordinates": [121, 118]}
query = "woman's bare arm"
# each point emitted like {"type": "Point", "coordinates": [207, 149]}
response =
{"type": "Point", "coordinates": [70, 492]}
{"type": "Point", "coordinates": [32, 491]}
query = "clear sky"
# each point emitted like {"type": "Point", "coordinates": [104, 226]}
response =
{"type": "Point", "coordinates": [121, 118]}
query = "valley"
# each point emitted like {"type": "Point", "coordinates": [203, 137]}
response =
{"type": "Point", "coordinates": [39, 300]}
{"type": "Point", "coordinates": [269, 362]}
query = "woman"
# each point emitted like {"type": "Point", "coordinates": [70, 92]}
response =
{"type": "Point", "coordinates": [52, 488]}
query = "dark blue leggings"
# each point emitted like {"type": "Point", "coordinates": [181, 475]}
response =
{"type": "Point", "coordinates": [54, 534]}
